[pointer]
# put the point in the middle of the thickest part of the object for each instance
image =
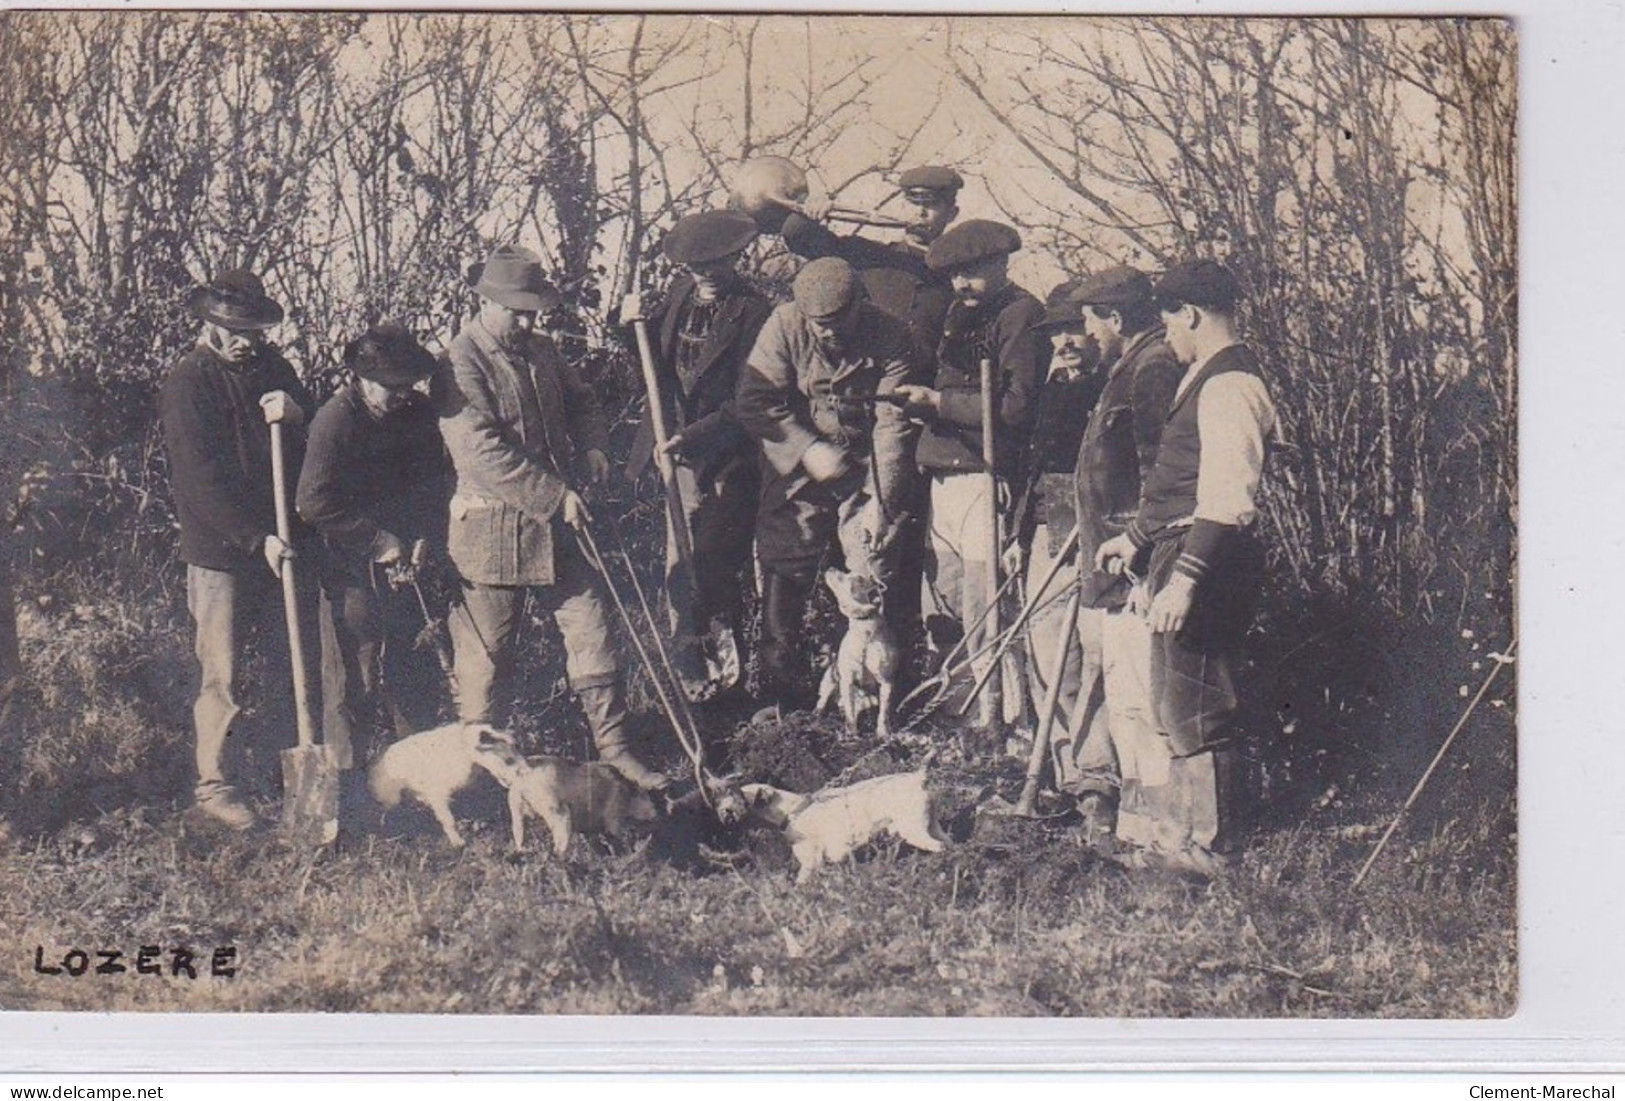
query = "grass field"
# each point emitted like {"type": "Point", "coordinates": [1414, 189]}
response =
{"type": "Point", "coordinates": [1017, 918]}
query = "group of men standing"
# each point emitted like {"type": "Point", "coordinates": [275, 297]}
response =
{"type": "Point", "coordinates": [1131, 433]}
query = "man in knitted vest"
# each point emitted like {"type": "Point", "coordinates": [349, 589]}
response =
{"type": "Point", "coordinates": [1196, 521]}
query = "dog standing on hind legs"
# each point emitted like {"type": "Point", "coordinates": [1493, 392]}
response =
{"type": "Point", "coordinates": [865, 667]}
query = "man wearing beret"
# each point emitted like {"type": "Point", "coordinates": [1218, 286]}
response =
{"type": "Point", "coordinates": [524, 430]}
{"type": "Point", "coordinates": [704, 334]}
{"type": "Point", "coordinates": [216, 404]}
{"type": "Point", "coordinates": [374, 487]}
{"type": "Point", "coordinates": [803, 397]}
{"type": "Point", "coordinates": [900, 282]}
{"type": "Point", "coordinates": [1115, 762]}
{"type": "Point", "coordinates": [1196, 518]}
{"type": "Point", "coordinates": [991, 318]}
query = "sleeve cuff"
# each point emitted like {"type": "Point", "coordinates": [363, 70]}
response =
{"type": "Point", "coordinates": [1137, 534]}
{"type": "Point", "coordinates": [1201, 548]}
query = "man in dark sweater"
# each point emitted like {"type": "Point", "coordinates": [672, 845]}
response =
{"type": "Point", "coordinates": [991, 318]}
{"type": "Point", "coordinates": [215, 405]}
{"type": "Point", "coordinates": [375, 485]}
{"type": "Point", "coordinates": [704, 334]}
{"type": "Point", "coordinates": [1196, 518]}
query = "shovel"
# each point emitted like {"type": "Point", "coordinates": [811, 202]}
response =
{"type": "Point", "coordinates": [310, 776]}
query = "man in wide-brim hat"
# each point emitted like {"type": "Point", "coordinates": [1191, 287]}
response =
{"type": "Point", "coordinates": [216, 404]}
{"type": "Point", "coordinates": [374, 486]}
{"type": "Point", "coordinates": [701, 337]}
{"type": "Point", "coordinates": [526, 436]}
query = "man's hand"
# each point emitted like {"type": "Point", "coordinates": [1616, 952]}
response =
{"type": "Point", "coordinates": [574, 509]}
{"type": "Point", "coordinates": [825, 462]}
{"type": "Point", "coordinates": [919, 401]}
{"type": "Point", "coordinates": [631, 309]}
{"type": "Point", "coordinates": [1115, 554]}
{"type": "Point", "coordinates": [675, 448]}
{"type": "Point", "coordinates": [597, 467]}
{"type": "Point", "coordinates": [279, 406]}
{"type": "Point", "coordinates": [387, 549]}
{"type": "Point", "coordinates": [276, 552]}
{"type": "Point", "coordinates": [815, 210]}
{"type": "Point", "coordinates": [1171, 605]}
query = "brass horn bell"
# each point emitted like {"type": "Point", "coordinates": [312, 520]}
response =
{"type": "Point", "coordinates": [768, 184]}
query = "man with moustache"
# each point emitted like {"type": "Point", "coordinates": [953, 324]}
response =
{"type": "Point", "coordinates": [374, 487]}
{"type": "Point", "coordinates": [524, 431]}
{"type": "Point", "coordinates": [216, 405]}
{"type": "Point", "coordinates": [991, 318]}
{"type": "Point", "coordinates": [1196, 520]}
{"type": "Point", "coordinates": [1112, 758]}
{"type": "Point", "coordinates": [806, 396]}
{"type": "Point", "coordinates": [703, 335]}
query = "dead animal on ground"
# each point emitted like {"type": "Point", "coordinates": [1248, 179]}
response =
{"type": "Point", "coordinates": [433, 765]}
{"type": "Point", "coordinates": [865, 666]}
{"type": "Point", "coordinates": [568, 796]}
{"type": "Point", "coordinates": [828, 825]}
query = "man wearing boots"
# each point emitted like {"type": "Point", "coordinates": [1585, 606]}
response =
{"type": "Point", "coordinates": [216, 404]}
{"type": "Point", "coordinates": [374, 486]}
{"type": "Point", "coordinates": [704, 334]}
{"type": "Point", "coordinates": [1196, 517]}
{"type": "Point", "coordinates": [807, 396]}
{"type": "Point", "coordinates": [523, 431]}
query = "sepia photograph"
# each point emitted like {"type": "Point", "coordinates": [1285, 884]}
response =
{"type": "Point", "coordinates": [759, 515]}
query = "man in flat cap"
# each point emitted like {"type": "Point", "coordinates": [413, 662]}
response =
{"type": "Point", "coordinates": [374, 487]}
{"type": "Point", "coordinates": [1196, 518]}
{"type": "Point", "coordinates": [524, 431]}
{"type": "Point", "coordinates": [704, 334]}
{"type": "Point", "coordinates": [216, 404]}
{"type": "Point", "coordinates": [991, 318]}
{"type": "Point", "coordinates": [1112, 759]}
{"type": "Point", "coordinates": [900, 282]}
{"type": "Point", "coordinates": [806, 395]}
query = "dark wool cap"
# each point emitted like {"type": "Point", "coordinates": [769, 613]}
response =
{"type": "Point", "coordinates": [929, 182]}
{"type": "Point", "coordinates": [388, 353]}
{"type": "Point", "coordinates": [970, 243]}
{"type": "Point", "coordinates": [711, 235]}
{"type": "Point", "coordinates": [1121, 286]}
{"type": "Point", "coordinates": [1203, 283]}
{"type": "Point", "coordinates": [825, 287]}
{"type": "Point", "coordinates": [1060, 308]}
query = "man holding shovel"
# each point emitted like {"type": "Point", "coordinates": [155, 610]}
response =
{"type": "Point", "coordinates": [374, 485]}
{"type": "Point", "coordinates": [524, 430]}
{"type": "Point", "coordinates": [215, 405]}
{"type": "Point", "coordinates": [702, 337]}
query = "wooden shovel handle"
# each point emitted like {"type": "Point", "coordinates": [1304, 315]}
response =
{"type": "Point", "coordinates": [290, 594]}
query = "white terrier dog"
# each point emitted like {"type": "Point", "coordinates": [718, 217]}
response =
{"type": "Point", "coordinates": [432, 766]}
{"type": "Point", "coordinates": [865, 667]}
{"type": "Point", "coordinates": [828, 825]}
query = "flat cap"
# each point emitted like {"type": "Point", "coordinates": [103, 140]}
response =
{"type": "Point", "coordinates": [1117, 286]}
{"type": "Point", "coordinates": [1060, 308]}
{"type": "Point", "coordinates": [930, 180]}
{"type": "Point", "coordinates": [970, 243]}
{"type": "Point", "coordinates": [389, 354]}
{"type": "Point", "coordinates": [825, 287]}
{"type": "Point", "coordinates": [1204, 283]}
{"type": "Point", "coordinates": [709, 235]}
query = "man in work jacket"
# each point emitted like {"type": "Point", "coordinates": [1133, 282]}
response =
{"type": "Point", "coordinates": [523, 431]}
{"type": "Point", "coordinates": [1196, 517]}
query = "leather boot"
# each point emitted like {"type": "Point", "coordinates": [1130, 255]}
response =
{"type": "Point", "coordinates": [606, 718]}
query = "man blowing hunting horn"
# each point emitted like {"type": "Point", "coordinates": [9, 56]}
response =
{"type": "Point", "coordinates": [215, 404]}
{"type": "Point", "coordinates": [702, 336]}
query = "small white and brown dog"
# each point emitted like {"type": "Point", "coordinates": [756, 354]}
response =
{"type": "Point", "coordinates": [432, 766]}
{"type": "Point", "coordinates": [568, 796]}
{"type": "Point", "coordinates": [865, 667]}
{"type": "Point", "coordinates": [829, 825]}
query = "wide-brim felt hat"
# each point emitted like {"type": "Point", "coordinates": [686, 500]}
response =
{"type": "Point", "coordinates": [825, 287]}
{"type": "Point", "coordinates": [1120, 286]}
{"type": "Point", "coordinates": [513, 276]}
{"type": "Point", "coordinates": [971, 243]}
{"type": "Point", "coordinates": [709, 235]}
{"type": "Point", "coordinates": [235, 299]}
{"type": "Point", "coordinates": [389, 354]}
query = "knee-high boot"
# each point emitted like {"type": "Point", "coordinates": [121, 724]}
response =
{"type": "Point", "coordinates": [605, 708]}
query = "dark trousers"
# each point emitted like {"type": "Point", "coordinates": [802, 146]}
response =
{"type": "Point", "coordinates": [784, 614]}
